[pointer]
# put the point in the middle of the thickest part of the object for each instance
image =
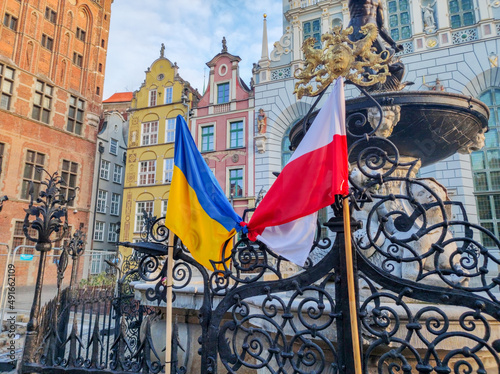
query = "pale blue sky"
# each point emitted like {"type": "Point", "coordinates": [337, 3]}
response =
{"type": "Point", "coordinates": [192, 32]}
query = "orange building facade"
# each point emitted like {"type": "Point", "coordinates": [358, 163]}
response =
{"type": "Point", "coordinates": [52, 59]}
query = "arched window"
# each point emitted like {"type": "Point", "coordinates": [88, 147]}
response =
{"type": "Point", "coordinates": [399, 19]}
{"type": "Point", "coordinates": [461, 13]}
{"type": "Point", "coordinates": [486, 170]}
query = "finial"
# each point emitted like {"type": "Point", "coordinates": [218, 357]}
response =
{"type": "Point", "coordinates": [162, 50]}
{"type": "Point", "coordinates": [224, 46]}
{"type": "Point", "coordinates": [265, 15]}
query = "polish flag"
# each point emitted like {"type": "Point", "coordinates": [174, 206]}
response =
{"type": "Point", "coordinates": [285, 220]}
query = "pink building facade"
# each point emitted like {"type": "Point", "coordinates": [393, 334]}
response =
{"type": "Point", "coordinates": [223, 127]}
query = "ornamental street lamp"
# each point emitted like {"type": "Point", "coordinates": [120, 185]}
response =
{"type": "Point", "coordinates": [50, 222]}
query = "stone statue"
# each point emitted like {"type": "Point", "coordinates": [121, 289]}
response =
{"type": "Point", "coordinates": [436, 87]}
{"type": "Point", "coordinates": [162, 50]}
{"type": "Point", "coordinates": [224, 45]}
{"type": "Point", "coordinates": [429, 21]}
{"type": "Point", "coordinates": [363, 12]}
{"type": "Point", "coordinates": [261, 122]}
{"type": "Point", "coordinates": [392, 115]}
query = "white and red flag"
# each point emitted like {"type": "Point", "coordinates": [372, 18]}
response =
{"type": "Point", "coordinates": [285, 220]}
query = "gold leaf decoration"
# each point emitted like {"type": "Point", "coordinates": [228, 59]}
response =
{"type": "Point", "coordinates": [356, 61]}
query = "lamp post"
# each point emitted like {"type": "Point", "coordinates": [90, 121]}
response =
{"type": "Point", "coordinates": [50, 222]}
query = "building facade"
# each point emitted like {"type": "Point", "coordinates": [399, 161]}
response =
{"type": "Point", "coordinates": [52, 58]}
{"type": "Point", "coordinates": [223, 129]}
{"type": "Point", "coordinates": [455, 41]}
{"type": "Point", "coordinates": [150, 153]}
{"type": "Point", "coordinates": [110, 159]}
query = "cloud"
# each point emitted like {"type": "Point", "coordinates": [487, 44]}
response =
{"type": "Point", "coordinates": [191, 31]}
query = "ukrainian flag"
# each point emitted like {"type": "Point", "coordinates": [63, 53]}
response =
{"type": "Point", "coordinates": [198, 212]}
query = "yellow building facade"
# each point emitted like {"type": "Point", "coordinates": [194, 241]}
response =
{"type": "Point", "coordinates": [150, 153]}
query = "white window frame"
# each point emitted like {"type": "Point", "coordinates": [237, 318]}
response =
{"type": "Point", "coordinates": [115, 204]}
{"type": "Point", "coordinates": [117, 173]}
{"type": "Point", "coordinates": [168, 172]}
{"type": "Point", "coordinates": [200, 136]}
{"type": "Point", "coordinates": [228, 133]}
{"type": "Point", "coordinates": [112, 234]}
{"type": "Point", "coordinates": [170, 130]}
{"type": "Point", "coordinates": [147, 174]}
{"type": "Point", "coordinates": [113, 145]}
{"type": "Point", "coordinates": [104, 170]}
{"type": "Point", "coordinates": [169, 95]}
{"type": "Point", "coordinates": [164, 204]}
{"type": "Point", "coordinates": [102, 198]}
{"type": "Point", "coordinates": [153, 97]}
{"type": "Point", "coordinates": [149, 136]}
{"type": "Point", "coordinates": [140, 206]}
{"type": "Point", "coordinates": [100, 228]}
{"type": "Point", "coordinates": [228, 185]}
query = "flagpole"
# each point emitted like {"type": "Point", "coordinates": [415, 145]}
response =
{"type": "Point", "coordinates": [168, 310]}
{"type": "Point", "coordinates": [351, 288]}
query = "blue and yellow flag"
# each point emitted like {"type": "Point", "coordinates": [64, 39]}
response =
{"type": "Point", "coordinates": [198, 212]}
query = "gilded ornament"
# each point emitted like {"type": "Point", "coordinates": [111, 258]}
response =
{"type": "Point", "coordinates": [357, 61]}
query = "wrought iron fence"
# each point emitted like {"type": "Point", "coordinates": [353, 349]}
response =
{"type": "Point", "coordinates": [427, 289]}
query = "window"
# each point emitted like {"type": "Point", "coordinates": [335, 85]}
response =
{"type": "Point", "coordinates": [117, 173]}
{"type": "Point", "coordinates": [6, 86]}
{"type": "Point", "coordinates": [140, 208]}
{"type": "Point", "coordinates": [100, 68]}
{"type": "Point", "coordinates": [115, 204]}
{"type": "Point", "coordinates": [102, 197]}
{"type": "Point", "coordinates": [47, 42]}
{"type": "Point", "coordinates": [113, 147]}
{"type": "Point", "coordinates": [313, 29]}
{"type": "Point", "coordinates": [152, 97]}
{"type": "Point", "coordinates": [50, 15]}
{"type": "Point", "coordinates": [168, 95]}
{"type": "Point", "coordinates": [223, 93]}
{"type": "Point", "coordinates": [207, 138]}
{"type": "Point", "coordinates": [75, 115]}
{"type": "Point", "coordinates": [69, 175]}
{"type": "Point", "coordinates": [170, 130]}
{"type": "Point", "coordinates": [10, 21]}
{"type": "Point", "coordinates": [98, 90]}
{"type": "Point", "coordinates": [32, 173]}
{"type": "Point", "coordinates": [2, 148]}
{"type": "Point", "coordinates": [399, 19]}
{"type": "Point", "coordinates": [461, 13]}
{"type": "Point", "coordinates": [149, 133]}
{"type": "Point", "coordinates": [102, 43]}
{"type": "Point", "coordinates": [236, 134]}
{"type": "Point", "coordinates": [104, 171]}
{"type": "Point", "coordinates": [168, 170]}
{"type": "Point", "coordinates": [99, 231]}
{"type": "Point", "coordinates": [236, 182]}
{"type": "Point", "coordinates": [42, 102]}
{"type": "Point", "coordinates": [80, 34]}
{"type": "Point", "coordinates": [147, 171]}
{"type": "Point", "coordinates": [18, 238]}
{"type": "Point", "coordinates": [113, 232]}
{"type": "Point", "coordinates": [164, 204]}
{"type": "Point", "coordinates": [77, 59]}
{"type": "Point", "coordinates": [486, 170]}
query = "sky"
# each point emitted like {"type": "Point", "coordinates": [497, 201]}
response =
{"type": "Point", "coordinates": [192, 32]}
